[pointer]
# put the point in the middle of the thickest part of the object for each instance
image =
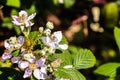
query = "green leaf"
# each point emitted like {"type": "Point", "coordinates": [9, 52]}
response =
{"type": "Point", "coordinates": [68, 3]}
{"type": "Point", "coordinates": [66, 58]}
{"type": "Point", "coordinates": [117, 36]}
{"type": "Point", "coordinates": [13, 3]}
{"type": "Point", "coordinates": [33, 35]}
{"type": "Point", "coordinates": [17, 29]}
{"type": "Point", "coordinates": [110, 14]}
{"type": "Point", "coordinates": [64, 40]}
{"type": "Point", "coordinates": [108, 69]}
{"type": "Point", "coordinates": [84, 59]}
{"type": "Point", "coordinates": [7, 23]}
{"type": "Point", "coordinates": [15, 53]}
{"type": "Point", "coordinates": [71, 74]}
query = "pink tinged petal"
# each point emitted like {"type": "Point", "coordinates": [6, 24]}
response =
{"type": "Point", "coordinates": [15, 59]}
{"type": "Point", "coordinates": [28, 24]}
{"type": "Point", "coordinates": [39, 75]}
{"type": "Point", "coordinates": [57, 36]}
{"type": "Point", "coordinates": [15, 18]}
{"type": "Point", "coordinates": [31, 16]}
{"type": "Point", "coordinates": [64, 46]}
{"type": "Point", "coordinates": [46, 40]}
{"type": "Point", "coordinates": [23, 64]}
{"type": "Point", "coordinates": [27, 73]}
{"type": "Point", "coordinates": [44, 69]}
{"type": "Point", "coordinates": [16, 23]}
{"type": "Point", "coordinates": [20, 40]}
{"type": "Point", "coordinates": [40, 62]}
{"type": "Point", "coordinates": [7, 45]}
{"type": "Point", "coordinates": [22, 12]}
{"type": "Point", "coordinates": [6, 56]}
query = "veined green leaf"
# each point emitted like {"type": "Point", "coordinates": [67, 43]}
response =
{"type": "Point", "coordinates": [14, 3]}
{"type": "Point", "coordinates": [108, 69]}
{"type": "Point", "coordinates": [84, 59]}
{"type": "Point", "coordinates": [70, 73]}
{"type": "Point", "coordinates": [117, 36]}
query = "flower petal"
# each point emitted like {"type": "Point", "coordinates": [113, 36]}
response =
{"type": "Point", "coordinates": [39, 75]}
{"type": "Point", "coordinates": [20, 40]}
{"type": "Point", "coordinates": [57, 36]}
{"type": "Point", "coordinates": [28, 23]}
{"type": "Point", "coordinates": [40, 62]}
{"type": "Point", "coordinates": [31, 16]}
{"type": "Point", "coordinates": [15, 18]}
{"type": "Point", "coordinates": [7, 45]}
{"type": "Point", "coordinates": [22, 12]}
{"type": "Point", "coordinates": [63, 46]}
{"type": "Point", "coordinates": [46, 40]}
{"type": "Point", "coordinates": [6, 56]}
{"type": "Point", "coordinates": [15, 59]}
{"type": "Point", "coordinates": [23, 64]}
{"type": "Point", "coordinates": [27, 73]}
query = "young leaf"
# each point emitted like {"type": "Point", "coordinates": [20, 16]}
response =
{"type": "Point", "coordinates": [66, 58]}
{"type": "Point", "coordinates": [33, 35]}
{"type": "Point", "coordinates": [117, 36]}
{"type": "Point", "coordinates": [108, 69]}
{"type": "Point", "coordinates": [15, 53]}
{"type": "Point", "coordinates": [71, 74]}
{"type": "Point", "coordinates": [69, 3]}
{"type": "Point", "coordinates": [84, 59]}
{"type": "Point", "coordinates": [13, 3]}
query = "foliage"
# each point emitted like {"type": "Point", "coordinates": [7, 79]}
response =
{"type": "Point", "coordinates": [110, 69]}
{"type": "Point", "coordinates": [41, 53]}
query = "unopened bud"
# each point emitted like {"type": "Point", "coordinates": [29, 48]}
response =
{"type": "Point", "coordinates": [49, 25]}
{"type": "Point", "coordinates": [41, 29]}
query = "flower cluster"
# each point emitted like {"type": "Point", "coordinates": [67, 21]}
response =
{"type": "Point", "coordinates": [32, 53]}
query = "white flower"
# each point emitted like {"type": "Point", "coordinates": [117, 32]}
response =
{"type": "Point", "coordinates": [23, 19]}
{"type": "Point", "coordinates": [38, 68]}
{"type": "Point", "coordinates": [53, 41]}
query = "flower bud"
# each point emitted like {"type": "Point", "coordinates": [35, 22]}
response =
{"type": "Point", "coordinates": [49, 25]}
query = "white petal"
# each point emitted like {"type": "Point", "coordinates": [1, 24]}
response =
{"type": "Point", "coordinates": [64, 46]}
{"type": "Point", "coordinates": [57, 36]}
{"type": "Point", "coordinates": [39, 75]}
{"type": "Point", "coordinates": [15, 18]}
{"type": "Point", "coordinates": [6, 44]}
{"type": "Point", "coordinates": [28, 24]}
{"type": "Point", "coordinates": [31, 16]}
{"type": "Point", "coordinates": [22, 12]}
{"type": "Point", "coordinates": [46, 40]}
{"type": "Point", "coordinates": [44, 69]}
{"type": "Point", "coordinates": [23, 64]}
{"type": "Point", "coordinates": [27, 73]}
{"type": "Point", "coordinates": [16, 23]}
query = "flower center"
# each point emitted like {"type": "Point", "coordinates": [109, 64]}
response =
{"type": "Point", "coordinates": [32, 66]}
